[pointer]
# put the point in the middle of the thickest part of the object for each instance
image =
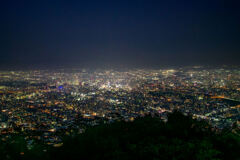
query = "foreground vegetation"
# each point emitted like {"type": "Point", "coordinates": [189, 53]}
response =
{"type": "Point", "coordinates": [180, 138]}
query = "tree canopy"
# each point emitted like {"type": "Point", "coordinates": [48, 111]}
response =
{"type": "Point", "coordinates": [180, 138]}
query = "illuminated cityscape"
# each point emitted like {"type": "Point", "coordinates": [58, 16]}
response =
{"type": "Point", "coordinates": [51, 103]}
{"type": "Point", "coordinates": [120, 80]}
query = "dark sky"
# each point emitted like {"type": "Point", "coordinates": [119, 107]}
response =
{"type": "Point", "coordinates": [118, 32]}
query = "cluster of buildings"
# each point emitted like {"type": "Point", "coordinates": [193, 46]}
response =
{"type": "Point", "coordinates": [48, 104]}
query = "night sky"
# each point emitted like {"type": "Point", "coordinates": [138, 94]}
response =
{"type": "Point", "coordinates": [150, 33]}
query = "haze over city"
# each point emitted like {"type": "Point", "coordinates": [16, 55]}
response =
{"type": "Point", "coordinates": [119, 33]}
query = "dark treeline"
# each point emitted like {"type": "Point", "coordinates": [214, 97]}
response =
{"type": "Point", "coordinates": [180, 138]}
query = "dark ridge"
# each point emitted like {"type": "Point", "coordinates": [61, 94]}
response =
{"type": "Point", "coordinates": [149, 137]}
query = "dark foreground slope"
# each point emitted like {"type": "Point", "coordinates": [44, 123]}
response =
{"type": "Point", "coordinates": [145, 138]}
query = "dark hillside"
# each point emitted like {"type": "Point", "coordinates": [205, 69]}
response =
{"type": "Point", "coordinates": [145, 138]}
